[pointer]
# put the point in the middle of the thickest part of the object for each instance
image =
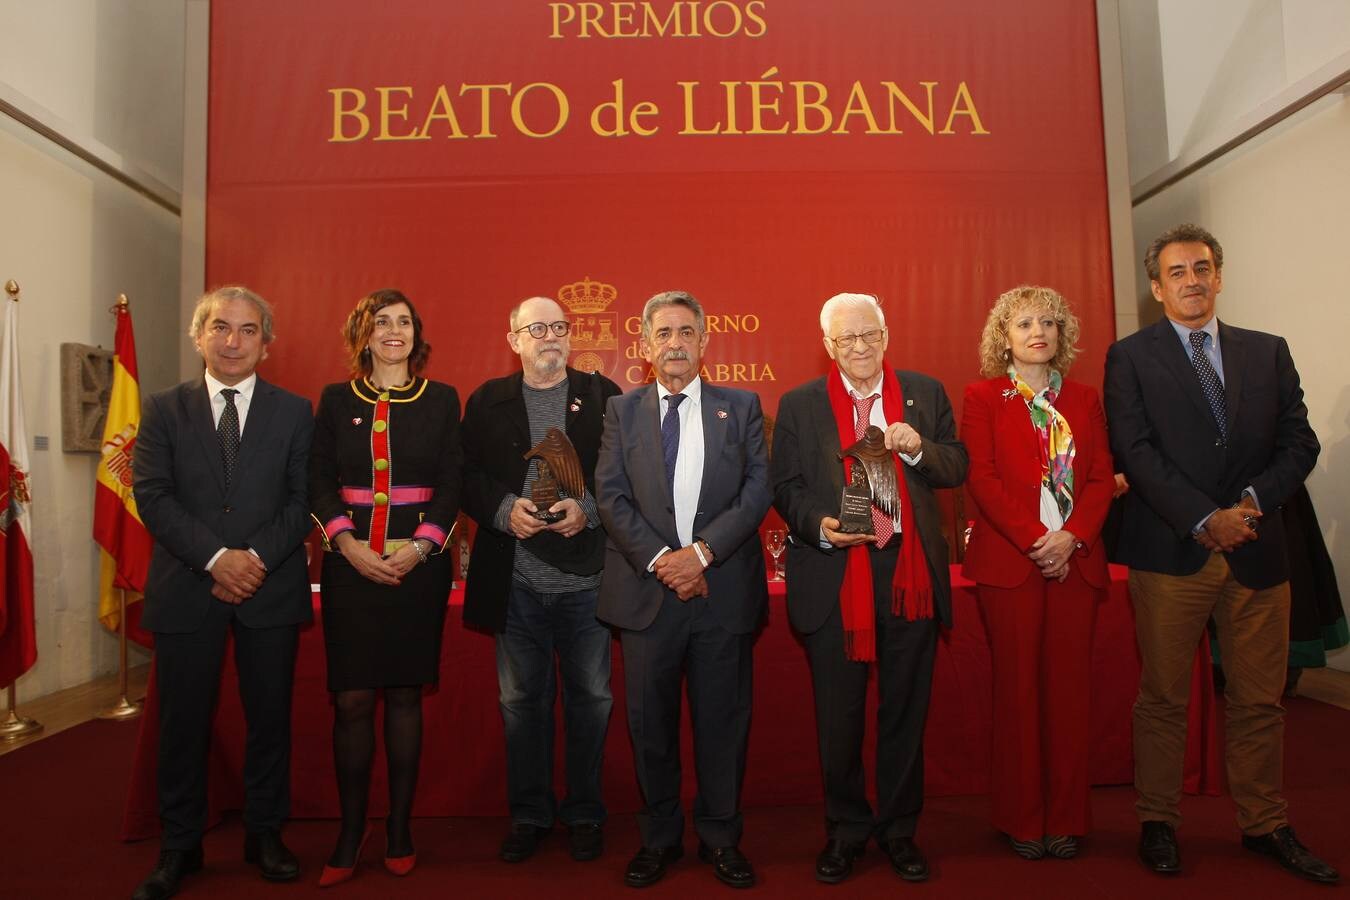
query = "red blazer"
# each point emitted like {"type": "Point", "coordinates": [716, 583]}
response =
{"type": "Point", "coordinates": [1005, 482]}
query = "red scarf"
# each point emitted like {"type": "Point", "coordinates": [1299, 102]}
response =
{"type": "Point", "coordinates": [912, 586]}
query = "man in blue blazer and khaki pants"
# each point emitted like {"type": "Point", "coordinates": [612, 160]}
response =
{"type": "Point", "coordinates": [1207, 422]}
{"type": "Point", "coordinates": [682, 484]}
{"type": "Point", "coordinates": [220, 465]}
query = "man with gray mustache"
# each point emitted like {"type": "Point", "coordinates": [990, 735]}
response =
{"type": "Point", "coordinates": [683, 485]}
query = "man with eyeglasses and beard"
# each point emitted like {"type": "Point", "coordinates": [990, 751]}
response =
{"type": "Point", "coordinates": [534, 584]}
{"type": "Point", "coordinates": [859, 599]}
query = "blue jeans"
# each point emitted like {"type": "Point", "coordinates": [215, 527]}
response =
{"type": "Point", "coordinates": [537, 625]}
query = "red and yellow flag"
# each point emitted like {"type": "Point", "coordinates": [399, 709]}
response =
{"type": "Point", "coordinates": [18, 629]}
{"type": "Point", "coordinates": [118, 528]}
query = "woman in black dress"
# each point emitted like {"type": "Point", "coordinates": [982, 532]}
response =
{"type": "Point", "coordinates": [384, 484]}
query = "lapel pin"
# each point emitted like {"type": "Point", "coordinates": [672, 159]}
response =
{"type": "Point", "coordinates": [721, 414]}
{"type": "Point", "coordinates": [576, 404]}
{"type": "Point", "coordinates": [356, 421]}
{"type": "Point", "coordinates": [909, 402]}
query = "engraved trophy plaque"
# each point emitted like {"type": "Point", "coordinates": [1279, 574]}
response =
{"type": "Point", "coordinates": [872, 483]}
{"type": "Point", "coordinates": [855, 506]}
{"type": "Point", "coordinates": [559, 474]}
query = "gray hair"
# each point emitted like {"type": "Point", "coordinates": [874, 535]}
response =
{"type": "Point", "coordinates": [515, 310]}
{"type": "Point", "coordinates": [225, 294]}
{"type": "Point", "coordinates": [671, 298]}
{"type": "Point", "coordinates": [841, 302]}
{"type": "Point", "coordinates": [1185, 233]}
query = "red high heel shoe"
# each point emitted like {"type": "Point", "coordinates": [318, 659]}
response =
{"type": "Point", "coordinates": [400, 865]}
{"type": "Point", "coordinates": [332, 875]}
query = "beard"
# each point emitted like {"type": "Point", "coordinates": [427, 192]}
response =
{"type": "Point", "coordinates": [547, 364]}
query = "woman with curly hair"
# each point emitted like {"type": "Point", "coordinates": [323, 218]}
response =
{"type": "Point", "coordinates": [1041, 482]}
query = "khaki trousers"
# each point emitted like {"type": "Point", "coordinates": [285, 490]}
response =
{"type": "Point", "coordinates": [1170, 615]}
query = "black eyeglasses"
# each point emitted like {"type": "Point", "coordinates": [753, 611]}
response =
{"type": "Point", "coordinates": [539, 330]}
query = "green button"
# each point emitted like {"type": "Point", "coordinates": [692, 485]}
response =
{"type": "Point", "coordinates": [381, 498]}
{"type": "Point", "coordinates": [381, 465]}
{"type": "Point", "coordinates": [380, 425]}
{"type": "Point", "coordinates": [384, 397]}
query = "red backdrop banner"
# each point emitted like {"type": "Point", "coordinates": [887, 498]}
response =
{"type": "Point", "coordinates": [763, 155]}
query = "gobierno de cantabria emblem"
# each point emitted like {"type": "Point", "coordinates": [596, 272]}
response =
{"type": "Point", "coordinates": [595, 332]}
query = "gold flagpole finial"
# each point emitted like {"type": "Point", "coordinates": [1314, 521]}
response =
{"type": "Point", "coordinates": [12, 288]}
{"type": "Point", "coordinates": [122, 301]}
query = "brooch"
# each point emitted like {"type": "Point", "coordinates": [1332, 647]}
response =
{"type": "Point", "coordinates": [721, 414]}
{"type": "Point", "coordinates": [356, 421]}
{"type": "Point", "coordinates": [1009, 393]}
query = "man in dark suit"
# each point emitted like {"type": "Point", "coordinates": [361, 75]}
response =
{"type": "Point", "coordinates": [535, 584]}
{"type": "Point", "coordinates": [219, 469]}
{"type": "Point", "coordinates": [683, 485]}
{"type": "Point", "coordinates": [1208, 423]}
{"type": "Point", "coordinates": [863, 598]}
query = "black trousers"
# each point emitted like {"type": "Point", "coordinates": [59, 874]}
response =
{"type": "Point", "coordinates": [905, 652]}
{"type": "Point", "coordinates": [187, 678]}
{"type": "Point", "coordinates": [686, 638]}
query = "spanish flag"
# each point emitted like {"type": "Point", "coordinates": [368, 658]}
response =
{"type": "Point", "coordinates": [18, 629]}
{"type": "Point", "coordinates": [118, 528]}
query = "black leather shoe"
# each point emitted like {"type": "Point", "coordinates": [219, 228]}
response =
{"type": "Point", "coordinates": [1288, 852]}
{"type": "Point", "coordinates": [649, 865]}
{"type": "Point", "coordinates": [729, 865]}
{"type": "Point", "coordinates": [906, 858]}
{"type": "Point", "coordinates": [521, 842]}
{"type": "Point", "coordinates": [266, 851]}
{"type": "Point", "coordinates": [1158, 848]}
{"type": "Point", "coordinates": [585, 841]}
{"type": "Point", "coordinates": [168, 873]}
{"type": "Point", "coordinates": [835, 862]}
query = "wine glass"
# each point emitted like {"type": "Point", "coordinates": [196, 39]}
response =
{"type": "Point", "coordinates": [776, 538]}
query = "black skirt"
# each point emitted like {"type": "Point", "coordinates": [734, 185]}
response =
{"type": "Point", "coordinates": [378, 635]}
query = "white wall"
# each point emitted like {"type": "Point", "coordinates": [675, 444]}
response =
{"type": "Point", "coordinates": [74, 238]}
{"type": "Point", "coordinates": [1279, 204]}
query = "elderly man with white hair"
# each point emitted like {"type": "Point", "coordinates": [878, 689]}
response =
{"type": "Point", "coordinates": [859, 599]}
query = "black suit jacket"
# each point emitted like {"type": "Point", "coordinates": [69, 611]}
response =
{"type": "Point", "coordinates": [638, 509]}
{"type": "Point", "coordinates": [1164, 438]}
{"type": "Point", "coordinates": [182, 499]}
{"type": "Point", "coordinates": [808, 480]}
{"type": "Point", "coordinates": [496, 436]}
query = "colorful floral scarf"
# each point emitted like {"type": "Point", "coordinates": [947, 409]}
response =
{"type": "Point", "coordinates": [1056, 439]}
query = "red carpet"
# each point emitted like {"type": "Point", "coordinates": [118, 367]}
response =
{"type": "Point", "coordinates": [62, 804]}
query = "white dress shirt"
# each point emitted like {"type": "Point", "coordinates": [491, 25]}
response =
{"type": "Point", "coordinates": [245, 388]}
{"type": "Point", "coordinates": [688, 462]}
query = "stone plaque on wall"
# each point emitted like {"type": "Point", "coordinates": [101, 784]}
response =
{"type": "Point", "coordinates": [86, 383]}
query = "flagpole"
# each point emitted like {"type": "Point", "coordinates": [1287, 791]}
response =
{"type": "Point", "coordinates": [123, 709]}
{"type": "Point", "coordinates": [15, 727]}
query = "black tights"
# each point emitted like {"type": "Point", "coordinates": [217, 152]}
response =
{"type": "Point", "coordinates": [353, 749]}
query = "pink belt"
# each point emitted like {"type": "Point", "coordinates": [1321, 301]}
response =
{"type": "Point", "coordinates": [398, 496]}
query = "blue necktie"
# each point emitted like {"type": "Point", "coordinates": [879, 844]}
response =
{"type": "Point", "coordinates": [1209, 381]}
{"type": "Point", "coordinates": [670, 436]}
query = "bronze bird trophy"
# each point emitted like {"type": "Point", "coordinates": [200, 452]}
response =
{"type": "Point", "coordinates": [559, 467]}
{"type": "Point", "coordinates": [873, 482]}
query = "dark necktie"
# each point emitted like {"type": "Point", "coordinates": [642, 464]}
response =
{"type": "Point", "coordinates": [881, 523]}
{"type": "Point", "coordinates": [1209, 381]}
{"type": "Point", "coordinates": [228, 433]}
{"type": "Point", "coordinates": [670, 436]}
